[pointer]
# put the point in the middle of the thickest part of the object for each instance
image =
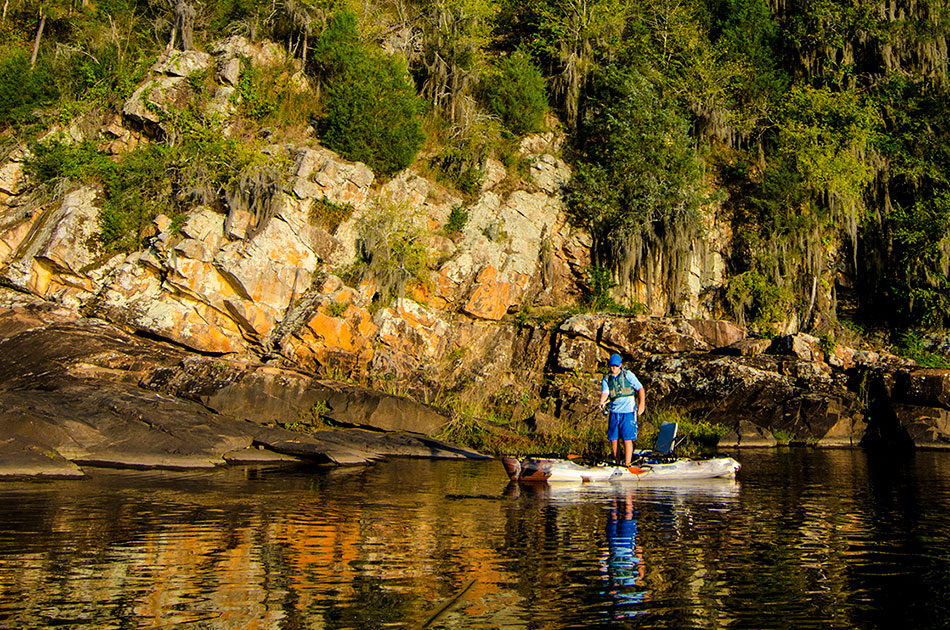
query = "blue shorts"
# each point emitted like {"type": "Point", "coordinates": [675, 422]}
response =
{"type": "Point", "coordinates": [622, 426]}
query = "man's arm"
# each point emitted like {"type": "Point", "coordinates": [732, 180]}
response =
{"type": "Point", "coordinates": [642, 401]}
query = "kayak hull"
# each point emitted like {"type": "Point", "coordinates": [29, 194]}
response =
{"type": "Point", "coordinates": [533, 470]}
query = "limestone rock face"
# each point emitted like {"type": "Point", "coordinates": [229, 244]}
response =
{"type": "Point", "coordinates": [634, 337]}
{"type": "Point", "coordinates": [321, 174]}
{"type": "Point", "coordinates": [49, 251]}
{"type": "Point", "coordinates": [11, 173]}
{"type": "Point", "coordinates": [182, 63]}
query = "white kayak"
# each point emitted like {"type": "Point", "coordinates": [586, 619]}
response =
{"type": "Point", "coordinates": [532, 469]}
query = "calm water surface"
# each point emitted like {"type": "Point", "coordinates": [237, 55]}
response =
{"type": "Point", "coordinates": [804, 539]}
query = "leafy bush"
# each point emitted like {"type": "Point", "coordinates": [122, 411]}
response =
{"type": "Point", "coordinates": [458, 217]}
{"type": "Point", "coordinates": [913, 347]}
{"type": "Point", "coordinates": [156, 178]}
{"type": "Point", "coordinates": [23, 90]}
{"type": "Point", "coordinates": [392, 250]}
{"type": "Point", "coordinates": [596, 293]}
{"type": "Point", "coordinates": [757, 300]}
{"type": "Point", "coordinates": [515, 92]}
{"type": "Point", "coordinates": [373, 114]}
{"type": "Point", "coordinates": [460, 168]}
{"type": "Point", "coordinates": [637, 180]}
{"type": "Point", "coordinates": [330, 214]}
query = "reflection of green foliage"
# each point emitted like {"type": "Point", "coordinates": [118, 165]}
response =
{"type": "Point", "coordinates": [367, 604]}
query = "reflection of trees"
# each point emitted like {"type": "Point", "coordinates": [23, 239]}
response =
{"type": "Point", "coordinates": [811, 535]}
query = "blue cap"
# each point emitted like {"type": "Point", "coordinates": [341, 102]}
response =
{"type": "Point", "coordinates": [615, 359]}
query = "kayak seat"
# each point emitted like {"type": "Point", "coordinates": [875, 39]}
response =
{"type": "Point", "coordinates": [666, 438]}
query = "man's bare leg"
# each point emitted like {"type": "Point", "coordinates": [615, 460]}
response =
{"type": "Point", "coordinates": [627, 452]}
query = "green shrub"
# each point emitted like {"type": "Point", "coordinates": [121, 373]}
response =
{"type": "Point", "coordinates": [22, 90]}
{"type": "Point", "coordinates": [913, 347]}
{"type": "Point", "coordinates": [460, 168]}
{"type": "Point", "coordinates": [373, 114]}
{"type": "Point", "coordinates": [330, 214]}
{"type": "Point", "coordinates": [637, 181]}
{"type": "Point", "coordinates": [515, 92]}
{"type": "Point", "coordinates": [458, 218]}
{"type": "Point", "coordinates": [596, 293]}
{"type": "Point", "coordinates": [757, 300]}
{"type": "Point", "coordinates": [392, 250]}
{"type": "Point", "coordinates": [55, 161]}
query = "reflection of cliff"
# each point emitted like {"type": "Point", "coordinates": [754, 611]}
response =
{"type": "Point", "coordinates": [320, 553]}
{"type": "Point", "coordinates": [809, 532]}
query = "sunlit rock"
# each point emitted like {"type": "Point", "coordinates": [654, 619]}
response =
{"type": "Point", "coordinates": [182, 63]}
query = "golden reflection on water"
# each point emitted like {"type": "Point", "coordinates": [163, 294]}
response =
{"type": "Point", "coordinates": [407, 543]}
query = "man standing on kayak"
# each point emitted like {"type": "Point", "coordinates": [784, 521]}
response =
{"type": "Point", "coordinates": [619, 387]}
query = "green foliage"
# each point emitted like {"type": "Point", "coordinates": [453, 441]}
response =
{"type": "Point", "coordinates": [372, 112]}
{"type": "Point", "coordinates": [637, 180]}
{"type": "Point", "coordinates": [311, 421]}
{"type": "Point", "coordinates": [596, 293]}
{"type": "Point", "coordinates": [156, 178]}
{"type": "Point", "coordinates": [912, 346]}
{"type": "Point", "coordinates": [337, 309]}
{"type": "Point", "coordinates": [56, 162]}
{"type": "Point", "coordinates": [23, 91]}
{"type": "Point", "coordinates": [329, 214]}
{"type": "Point", "coordinates": [460, 167]}
{"type": "Point", "coordinates": [392, 251]}
{"type": "Point", "coordinates": [458, 218]}
{"type": "Point", "coordinates": [757, 300]}
{"type": "Point", "coordinates": [828, 133]}
{"type": "Point", "coordinates": [515, 92]}
{"type": "Point", "coordinates": [257, 99]}
{"type": "Point", "coordinates": [827, 343]}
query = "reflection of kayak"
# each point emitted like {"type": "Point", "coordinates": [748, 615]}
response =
{"type": "Point", "coordinates": [532, 469]}
{"type": "Point", "coordinates": [719, 489]}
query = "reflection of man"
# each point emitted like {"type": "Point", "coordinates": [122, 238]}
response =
{"type": "Point", "coordinates": [621, 387]}
{"type": "Point", "coordinates": [624, 558]}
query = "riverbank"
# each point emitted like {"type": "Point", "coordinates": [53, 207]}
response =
{"type": "Point", "coordinates": [79, 391]}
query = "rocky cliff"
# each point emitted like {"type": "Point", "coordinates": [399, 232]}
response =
{"type": "Point", "coordinates": [266, 281]}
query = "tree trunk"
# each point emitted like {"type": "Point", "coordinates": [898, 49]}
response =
{"type": "Point", "coordinates": [3, 18]}
{"type": "Point", "coordinates": [186, 17]}
{"type": "Point", "coordinates": [36, 41]}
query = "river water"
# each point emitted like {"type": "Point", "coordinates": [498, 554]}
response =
{"type": "Point", "coordinates": [804, 539]}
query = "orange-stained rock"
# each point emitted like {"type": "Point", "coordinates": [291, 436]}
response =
{"type": "Point", "coordinates": [344, 341]}
{"type": "Point", "coordinates": [491, 296]}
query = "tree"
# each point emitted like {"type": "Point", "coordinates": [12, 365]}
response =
{"type": "Point", "coordinates": [455, 32]}
{"type": "Point", "coordinates": [515, 92]}
{"type": "Point", "coordinates": [571, 39]}
{"type": "Point", "coordinates": [637, 182]}
{"type": "Point", "coordinates": [372, 111]}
